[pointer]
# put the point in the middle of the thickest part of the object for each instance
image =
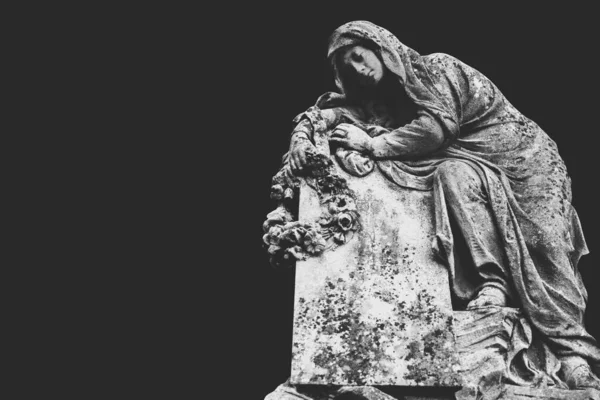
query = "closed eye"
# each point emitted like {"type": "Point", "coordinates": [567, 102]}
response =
{"type": "Point", "coordinates": [357, 56]}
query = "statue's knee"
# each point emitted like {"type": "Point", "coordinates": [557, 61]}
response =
{"type": "Point", "coordinates": [456, 176]}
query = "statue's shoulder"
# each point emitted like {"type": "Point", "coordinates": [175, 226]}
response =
{"type": "Point", "coordinates": [451, 69]}
{"type": "Point", "coordinates": [442, 61]}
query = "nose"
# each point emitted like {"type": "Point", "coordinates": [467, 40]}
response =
{"type": "Point", "coordinates": [359, 67]}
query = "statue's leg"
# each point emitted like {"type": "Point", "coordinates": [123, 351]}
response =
{"type": "Point", "coordinates": [547, 205]}
{"type": "Point", "coordinates": [468, 206]}
{"type": "Point", "coordinates": [469, 211]}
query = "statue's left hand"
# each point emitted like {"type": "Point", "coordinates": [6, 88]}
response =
{"type": "Point", "coordinates": [351, 137]}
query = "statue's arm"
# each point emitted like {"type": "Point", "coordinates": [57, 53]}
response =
{"type": "Point", "coordinates": [302, 139]}
{"type": "Point", "coordinates": [303, 132]}
{"type": "Point", "coordinates": [327, 118]}
{"type": "Point", "coordinates": [468, 92]}
{"type": "Point", "coordinates": [423, 136]}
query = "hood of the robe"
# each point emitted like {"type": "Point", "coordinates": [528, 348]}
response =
{"type": "Point", "coordinates": [401, 60]}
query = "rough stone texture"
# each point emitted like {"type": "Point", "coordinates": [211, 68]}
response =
{"type": "Point", "coordinates": [482, 340]}
{"type": "Point", "coordinates": [287, 391]}
{"type": "Point", "coordinates": [376, 310]}
{"type": "Point", "coordinates": [426, 398]}
{"type": "Point", "coordinates": [522, 393]}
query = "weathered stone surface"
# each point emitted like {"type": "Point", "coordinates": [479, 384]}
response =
{"type": "Point", "coordinates": [482, 340]}
{"type": "Point", "coordinates": [376, 310]}
{"type": "Point", "coordinates": [523, 393]}
{"type": "Point", "coordinates": [287, 391]}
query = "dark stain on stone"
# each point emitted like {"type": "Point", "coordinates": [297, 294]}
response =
{"type": "Point", "coordinates": [338, 313]}
{"type": "Point", "coordinates": [433, 363]}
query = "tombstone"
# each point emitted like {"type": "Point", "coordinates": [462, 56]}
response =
{"type": "Point", "coordinates": [375, 310]}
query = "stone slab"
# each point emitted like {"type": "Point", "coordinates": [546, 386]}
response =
{"type": "Point", "coordinates": [523, 393]}
{"type": "Point", "coordinates": [376, 310]}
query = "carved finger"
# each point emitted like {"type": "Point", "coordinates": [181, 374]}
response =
{"type": "Point", "coordinates": [293, 162]}
{"type": "Point", "coordinates": [346, 127]}
{"type": "Point", "coordinates": [299, 164]}
{"type": "Point", "coordinates": [288, 172]}
{"type": "Point", "coordinates": [339, 133]}
{"type": "Point", "coordinates": [302, 158]}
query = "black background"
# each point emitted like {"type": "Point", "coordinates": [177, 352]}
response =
{"type": "Point", "coordinates": [194, 110]}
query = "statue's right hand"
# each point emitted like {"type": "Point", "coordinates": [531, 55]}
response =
{"type": "Point", "coordinates": [298, 155]}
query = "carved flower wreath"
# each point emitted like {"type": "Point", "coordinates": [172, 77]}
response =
{"type": "Point", "coordinates": [288, 240]}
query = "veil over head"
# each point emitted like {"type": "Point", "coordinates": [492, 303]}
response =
{"type": "Point", "coordinates": [527, 185]}
{"type": "Point", "coordinates": [401, 60]}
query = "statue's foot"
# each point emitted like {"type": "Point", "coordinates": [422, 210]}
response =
{"type": "Point", "coordinates": [580, 376]}
{"type": "Point", "coordinates": [488, 296]}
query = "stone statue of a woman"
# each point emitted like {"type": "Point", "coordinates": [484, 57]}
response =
{"type": "Point", "coordinates": [501, 189]}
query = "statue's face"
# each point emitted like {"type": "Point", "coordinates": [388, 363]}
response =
{"type": "Point", "coordinates": [365, 64]}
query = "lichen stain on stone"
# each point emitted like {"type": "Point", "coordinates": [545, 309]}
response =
{"type": "Point", "coordinates": [370, 203]}
{"type": "Point", "coordinates": [363, 352]}
{"type": "Point", "coordinates": [433, 361]}
{"type": "Point", "coordinates": [366, 351]}
{"type": "Point", "coordinates": [355, 326]}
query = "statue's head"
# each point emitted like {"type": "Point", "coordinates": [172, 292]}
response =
{"type": "Point", "coordinates": [360, 63]}
{"type": "Point", "coordinates": [362, 55]}
{"type": "Point", "coordinates": [369, 62]}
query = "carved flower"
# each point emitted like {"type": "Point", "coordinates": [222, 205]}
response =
{"type": "Point", "coordinates": [325, 219]}
{"type": "Point", "coordinates": [289, 236]}
{"type": "Point", "coordinates": [339, 237]}
{"type": "Point", "coordinates": [279, 216]}
{"type": "Point", "coordinates": [332, 183]}
{"type": "Point", "coordinates": [318, 164]}
{"type": "Point", "coordinates": [277, 192]}
{"type": "Point", "coordinates": [314, 242]}
{"type": "Point", "coordinates": [288, 193]}
{"type": "Point", "coordinates": [272, 237]}
{"type": "Point", "coordinates": [340, 203]}
{"type": "Point", "coordinates": [296, 252]}
{"type": "Point", "coordinates": [273, 249]}
{"type": "Point", "coordinates": [345, 221]}
{"type": "Point", "coordinates": [288, 240]}
{"type": "Point", "coordinates": [293, 232]}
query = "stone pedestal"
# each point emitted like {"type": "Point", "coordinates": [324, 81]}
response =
{"type": "Point", "coordinates": [510, 392]}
